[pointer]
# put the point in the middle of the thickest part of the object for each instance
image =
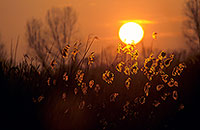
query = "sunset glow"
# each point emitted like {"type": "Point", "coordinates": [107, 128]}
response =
{"type": "Point", "coordinates": [99, 64]}
{"type": "Point", "coordinates": [131, 33]}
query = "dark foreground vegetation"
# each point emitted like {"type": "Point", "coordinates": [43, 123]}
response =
{"type": "Point", "coordinates": [66, 97]}
{"type": "Point", "coordinates": [65, 89]}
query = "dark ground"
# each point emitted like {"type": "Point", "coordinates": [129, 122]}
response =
{"type": "Point", "coordinates": [18, 111]}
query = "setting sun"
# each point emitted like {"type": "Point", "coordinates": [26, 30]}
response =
{"type": "Point", "coordinates": [131, 33]}
{"type": "Point", "coordinates": [99, 64]}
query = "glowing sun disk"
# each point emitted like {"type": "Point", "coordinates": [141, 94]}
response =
{"type": "Point", "coordinates": [131, 33]}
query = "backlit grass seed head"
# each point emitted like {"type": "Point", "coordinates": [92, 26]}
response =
{"type": "Point", "coordinates": [89, 106]}
{"type": "Point", "coordinates": [156, 103]}
{"type": "Point", "coordinates": [159, 64]}
{"type": "Point", "coordinates": [164, 76]}
{"type": "Point", "coordinates": [64, 96]}
{"type": "Point", "coordinates": [79, 76]}
{"type": "Point", "coordinates": [153, 66]}
{"type": "Point", "coordinates": [126, 106]}
{"type": "Point", "coordinates": [65, 51]}
{"type": "Point", "coordinates": [53, 63]}
{"type": "Point", "coordinates": [113, 97]}
{"type": "Point", "coordinates": [66, 111]}
{"type": "Point", "coordinates": [155, 35]}
{"type": "Point", "coordinates": [80, 79]}
{"type": "Point", "coordinates": [176, 83]}
{"type": "Point", "coordinates": [142, 100]}
{"type": "Point", "coordinates": [97, 88]}
{"type": "Point", "coordinates": [149, 68]}
{"type": "Point", "coordinates": [119, 66]}
{"type": "Point", "coordinates": [182, 65]}
{"type": "Point", "coordinates": [136, 100]}
{"type": "Point", "coordinates": [84, 88]}
{"type": "Point", "coordinates": [149, 76]}
{"type": "Point", "coordinates": [168, 61]}
{"type": "Point", "coordinates": [148, 62]}
{"type": "Point", "coordinates": [146, 88]}
{"type": "Point", "coordinates": [40, 98]}
{"type": "Point", "coordinates": [108, 77]}
{"type": "Point", "coordinates": [175, 95]}
{"type": "Point", "coordinates": [162, 55]}
{"type": "Point", "coordinates": [65, 76]}
{"type": "Point", "coordinates": [178, 69]}
{"type": "Point", "coordinates": [127, 70]}
{"type": "Point", "coordinates": [75, 91]}
{"type": "Point", "coordinates": [91, 83]}
{"type": "Point", "coordinates": [134, 68]}
{"type": "Point", "coordinates": [164, 96]}
{"type": "Point", "coordinates": [81, 105]}
{"type": "Point", "coordinates": [181, 107]}
{"type": "Point", "coordinates": [54, 82]}
{"type": "Point", "coordinates": [159, 87]}
{"type": "Point", "coordinates": [119, 49]}
{"type": "Point", "coordinates": [134, 56]}
{"type": "Point", "coordinates": [127, 83]}
{"type": "Point", "coordinates": [172, 83]}
{"type": "Point", "coordinates": [74, 53]}
{"type": "Point", "coordinates": [91, 58]}
{"type": "Point", "coordinates": [128, 49]}
{"type": "Point", "coordinates": [144, 70]}
{"type": "Point", "coordinates": [48, 81]}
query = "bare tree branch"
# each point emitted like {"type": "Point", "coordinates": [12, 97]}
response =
{"type": "Point", "coordinates": [48, 39]}
{"type": "Point", "coordinates": [191, 28]}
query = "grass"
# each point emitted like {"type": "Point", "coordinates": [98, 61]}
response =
{"type": "Point", "coordinates": [46, 98]}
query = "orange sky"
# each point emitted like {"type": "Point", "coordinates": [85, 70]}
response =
{"type": "Point", "coordinates": [100, 17]}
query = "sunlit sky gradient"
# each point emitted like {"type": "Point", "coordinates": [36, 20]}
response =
{"type": "Point", "coordinates": [102, 18]}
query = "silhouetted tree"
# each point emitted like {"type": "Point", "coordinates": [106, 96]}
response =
{"type": "Point", "coordinates": [48, 39]}
{"type": "Point", "coordinates": [192, 24]}
{"type": "Point", "coordinates": [36, 40]}
{"type": "Point", "coordinates": [61, 25]}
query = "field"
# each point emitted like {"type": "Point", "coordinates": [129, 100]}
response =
{"type": "Point", "coordinates": [159, 91]}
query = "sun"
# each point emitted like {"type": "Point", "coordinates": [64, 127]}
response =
{"type": "Point", "coordinates": [131, 33]}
